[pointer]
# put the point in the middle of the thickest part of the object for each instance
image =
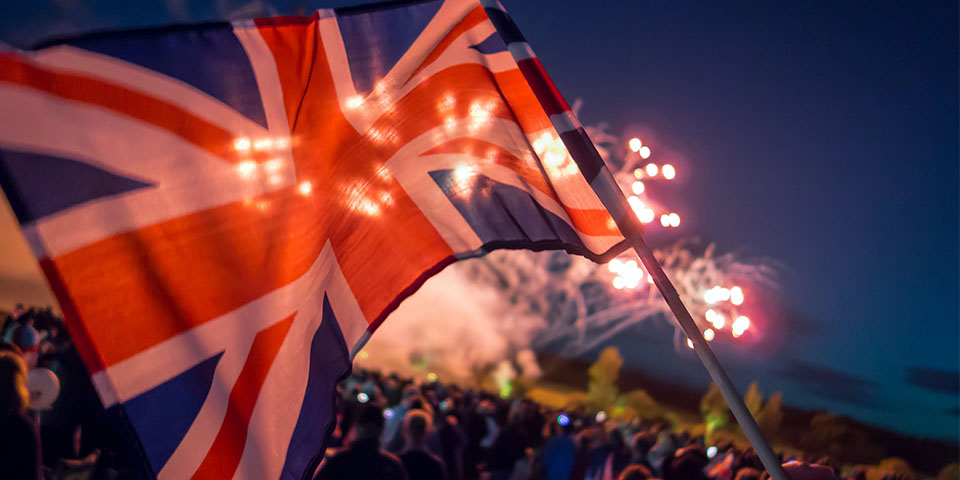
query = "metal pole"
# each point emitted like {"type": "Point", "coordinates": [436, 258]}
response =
{"type": "Point", "coordinates": [747, 423]}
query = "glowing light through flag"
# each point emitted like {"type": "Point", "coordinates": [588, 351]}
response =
{"type": "Point", "coordinates": [305, 188]}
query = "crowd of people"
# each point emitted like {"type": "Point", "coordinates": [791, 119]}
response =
{"type": "Point", "coordinates": [387, 427]}
{"type": "Point", "coordinates": [394, 428]}
{"type": "Point", "coordinates": [71, 437]}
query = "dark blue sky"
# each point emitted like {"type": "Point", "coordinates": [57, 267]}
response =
{"type": "Point", "coordinates": [822, 135]}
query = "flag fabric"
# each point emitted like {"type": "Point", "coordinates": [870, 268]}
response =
{"type": "Point", "coordinates": [227, 212]}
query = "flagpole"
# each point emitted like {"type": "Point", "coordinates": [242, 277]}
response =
{"type": "Point", "coordinates": [591, 165]}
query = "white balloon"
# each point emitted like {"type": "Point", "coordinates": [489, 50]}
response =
{"type": "Point", "coordinates": [44, 388]}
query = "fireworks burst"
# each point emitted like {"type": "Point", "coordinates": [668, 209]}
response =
{"type": "Point", "coordinates": [586, 304]}
{"type": "Point", "coordinates": [486, 314]}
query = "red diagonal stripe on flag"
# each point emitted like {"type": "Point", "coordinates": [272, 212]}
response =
{"type": "Point", "coordinates": [120, 100]}
{"type": "Point", "coordinates": [224, 455]}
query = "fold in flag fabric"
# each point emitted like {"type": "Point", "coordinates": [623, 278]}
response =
{"type": "Point", "coordinates": [227, 212]}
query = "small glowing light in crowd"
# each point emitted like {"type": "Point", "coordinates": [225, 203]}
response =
{"type": "Point", "coordinates": [363, 354]}
{"type": "Point", "coordinates": [674, 220]}
{"type": "Point", "coordinates": [619, 283]}
{"type": "Point", "coordinates": [305, 188]}
{"type": "Point", "coordinates": [736, 295]}
{"type": "Point", "coordinates": [273, 165]}
{"type": "Point", "coordinates": [635, 144]}
{"type": "Point", "coordinates": [636, 204]}
{"type": "Point", "coordinates": [241, 144]}
{"type": "Point", "coordinates": [388, 413]}
{"type": "Point", "coordinates": [631, 264]}
{"type": "Point", "coordinates": [563, 419]}
{"type": "Point", "coordinates": [275, 179]}
{"type": "Point", "coordinates": [638, 173]}
{"type": "Point", "coordinates": [708, 334]}
{"type": "Point", "coordinates": [601, 416]}
{"type": "Point", "coordinates": [652, 169]}
{"type": "Point", "coordinates": [644, 152]}
{"type": "Point", "coordinates": [646, 216]}
{"type": "Point", "coordinates": [689, 343]}
{"type": "Point", "coordinates": [263, 144]}
{"type": "Point", "coordinates": [711, 451]}
{"type": "Point", "coordinates": [650, 279]}
{"type": "Point", "coordinates": [740, 325]}
{"type": "Point", "coordinates": [614, 265]}
{"type": "Point", "coordinates": [263, 205]}
{"type": "Point", "coordinates": [363, 397]}
{"type": "Point", "coordinates": [665, 220]}
{"type": "Point", "coordinates": [431, 377]}
{"type": "Point", "coordinates": [354, 102]}
{"type": "Point", "coordinates": [668, 171]}
{"type": "Point", "coordinates": [247, 168]}
{"type": "Point", "coordinates": [282, 142]}
{"type": "Point", "coordinates": [637, 187]}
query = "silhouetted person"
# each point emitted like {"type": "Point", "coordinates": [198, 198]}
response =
{"type": "Point", "coordinates": [635, 472]}
{"type": "Point", "coordinates": [19, 439]}
{"type": "Point", "coordinates": [559, 453]}
{"type": "Point", "coordinates": [418, 462]}
{"type": "Point", "coordinates": [363, 459]}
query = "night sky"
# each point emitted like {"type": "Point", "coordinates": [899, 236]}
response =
{"type": "Point", "coordinates": [822, 136]}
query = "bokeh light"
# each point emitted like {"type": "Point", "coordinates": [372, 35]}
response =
{"type": "Point", "coordinates": [736, 296]}
{"type": "Point", "coordinates": [304, 188]}
{"type": "Point", "coordinates": [669, 172]}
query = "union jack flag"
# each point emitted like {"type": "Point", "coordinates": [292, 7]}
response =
{"type": "Point", "coordinates": [227, 212]}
